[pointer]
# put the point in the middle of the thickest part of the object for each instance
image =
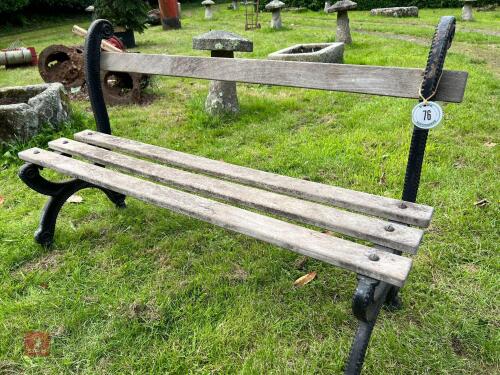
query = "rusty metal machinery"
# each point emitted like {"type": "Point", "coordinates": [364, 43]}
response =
{"type": "Point", "coordinates": [58, 63]}
{"type": "Point", "coordinates": [15, 57]}
{"type": "Point", "coordinates": [123, 87]}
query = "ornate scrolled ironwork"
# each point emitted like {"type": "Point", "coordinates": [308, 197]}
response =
{"type": "Point", "coordinates": [59, 192]}
{"type": "Point", "coordinates": [441, 42]}
{"type": "Point", "coordinates": [98, 30]}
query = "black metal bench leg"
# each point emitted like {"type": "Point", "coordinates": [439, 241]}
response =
{"type": "Point", "coordinates": [368, 299]}
{"type": "Point", "coordinates": [358, 348]}
{"type": "Point", "coordinates": [59, 192]}
{"type": "Point", "coordinates": [393, 300]}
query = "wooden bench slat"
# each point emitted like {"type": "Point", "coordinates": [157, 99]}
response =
{"type": "Point", "coordinates": [388, 208]}
{"type": "Point", "coordinates": [375, 80]}
{"type": "Point", "coordinates": [390, 268]}
{"type": "Point", "coordinates": [401, 237]}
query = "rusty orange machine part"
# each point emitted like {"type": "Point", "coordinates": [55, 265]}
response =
{"type": "Point", "coordinates": [169, 14]}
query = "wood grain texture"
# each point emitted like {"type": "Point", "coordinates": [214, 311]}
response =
{"type": "Point", "coordinates": [364, 79]}
{"type": "Point", "coordinates": [388, 208]}
{"type": "Point", "coordinates": [398, 237]}
{"type": "Point", "coordinates": [390, 268]}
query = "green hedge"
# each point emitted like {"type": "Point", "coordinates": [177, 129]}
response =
{"type": "Point", "coordinates": [370, 4]}
{"type": "Point", "coordinates": [58, 4]}
{"type": "Point", "coordinates": [131, 14]}
{"type": "Point", "coordinates": [16, 6]}
{"type": "Point", "coordinates": [12, 6]}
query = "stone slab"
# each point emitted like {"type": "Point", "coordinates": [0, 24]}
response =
{"type": "Point", "coordinates": [218, 40]}
{"type": "Point", "coordinates": [395, 12]}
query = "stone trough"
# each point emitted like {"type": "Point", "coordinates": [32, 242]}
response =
{"type": "Point", "coordinates": [311, 52]}
{"type": "Point", "coordinates": [25, 109]}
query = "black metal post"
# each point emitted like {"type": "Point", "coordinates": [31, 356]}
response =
{"type": "Point", "coordinates": [98, 30]}
{"type": "Point", "coordinates": [370, 295]}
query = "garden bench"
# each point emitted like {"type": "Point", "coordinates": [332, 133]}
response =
{"type": "Point", "coordinates": [187, 184]}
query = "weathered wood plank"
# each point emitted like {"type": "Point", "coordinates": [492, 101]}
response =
{"type": "Point", "coordinates": [388, 267]}
{"type": "Point", "coordinates": [387, 208]}
{"type": "Point", "coordinates": [398, 237]}
{"type": "Point", "coordinates": [364, 79]}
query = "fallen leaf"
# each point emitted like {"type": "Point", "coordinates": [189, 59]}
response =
{"type": "Point", "coordinates": [75, 199]}
{"type": "Point", "coordinates": [482, 203]}
{"type": "Point", "coordinates": [303, 280]}
{"type": "Point", "coordinates": [2, 199]}
{"type": "Point", "coordinates": [490, 144]}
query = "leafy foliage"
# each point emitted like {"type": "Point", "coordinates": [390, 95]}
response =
{"type": "Point", "coordinates": [11, 6]}
{"type": "Point", "coordinates": [370, 4]}
{"type": "Point", "coordinates": [58, 4]}
{"type": "Point", "coordinates": [16, 6]}
{"type": "Point", "coordinates": [131, 14]}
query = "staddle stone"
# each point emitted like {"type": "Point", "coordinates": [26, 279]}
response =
{"type": "Point", "coordinates": [218, 40]}
{"type": "Point", "coordinates": [275, 8]}
{"type": "Point", "coordinates": [341, 6]}
{"type": "Point", "coordinates": [208, 8]}
{"type": "Point", "coordinates": [222, 96]}
{"type": "Point", "coordinates": [343, 28]}
{"type": "Point", "coordinates": [467, 10]}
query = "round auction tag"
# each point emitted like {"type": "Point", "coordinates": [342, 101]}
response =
{"type": "Point", "coordinates": [427, 115]}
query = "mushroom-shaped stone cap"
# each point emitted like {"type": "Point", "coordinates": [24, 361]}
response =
{"type": "Point", "coordinates": [342, 5]}
{"type": "Point", "coordinates": [218, 40]}
{"type": "Point", "coordinates": [207, 3]}
{"type": "Point", "coordinates": [275, 4]}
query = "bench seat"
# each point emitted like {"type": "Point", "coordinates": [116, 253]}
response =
{"type": "Point", "coordinates": [152, 174]}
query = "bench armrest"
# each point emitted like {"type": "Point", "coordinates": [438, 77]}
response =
{"type": "Point", "coordinates": [441, 42]}
{"type": "Point", "coordinates": [99, 30]}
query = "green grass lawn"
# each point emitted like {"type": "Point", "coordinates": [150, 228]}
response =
{"type": "Point", "coordinates": [144, 290]}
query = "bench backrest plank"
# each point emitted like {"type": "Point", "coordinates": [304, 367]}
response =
{"type": "Point", "coordinates": [374, 80]}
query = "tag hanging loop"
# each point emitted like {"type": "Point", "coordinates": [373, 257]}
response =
{"type": "Point", "coordinates": [425, 100]}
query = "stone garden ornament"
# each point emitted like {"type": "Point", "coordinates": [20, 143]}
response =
{"type": "Point", "coordinates": [343, 30]}
{"type": "Point", "coordinates": [208, 9]}
{"type": "Point", "coordinates": [222, 97]}
{"type": "Point", "coordinates": [467, 10]}
{"type": "Point", "coordinates": [275, 8]}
